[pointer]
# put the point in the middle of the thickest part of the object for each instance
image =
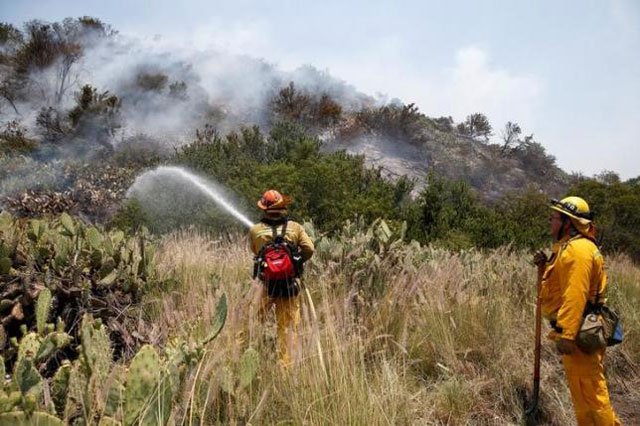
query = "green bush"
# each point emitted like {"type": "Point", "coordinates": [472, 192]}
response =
{"type": "Point", "coordinates": [616, 206]}
{"type": "Point", "coordinates": [328, 187]}
{"type": "Point", "coordinates": [131, 217]}
{"type": "Point", "coordinates": [443, 206]}
{"type": "Point", "coordinates": [449, 213]}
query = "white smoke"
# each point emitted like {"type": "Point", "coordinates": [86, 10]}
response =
{"type": "Point", "coordinates": [223, 89]}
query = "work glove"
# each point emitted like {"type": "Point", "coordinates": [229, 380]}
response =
{"type": "Point", "coordinates": [566, 346]}
{"type": "Point", "coordinates": [539, 258]}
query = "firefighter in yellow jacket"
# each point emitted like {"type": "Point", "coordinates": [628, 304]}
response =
{"type": "Point", "coordinates": [283, 294]}
{"type": "Point", "coordinates": [574, 275]}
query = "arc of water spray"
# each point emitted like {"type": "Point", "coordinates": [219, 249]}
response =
{"type": "Point", "coordinates": [204, 187]}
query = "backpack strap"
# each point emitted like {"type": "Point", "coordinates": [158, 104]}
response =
{"type": "Point", "coordinates": [277, 238]}
{"type": "Point", "coordinates": [284, 228]}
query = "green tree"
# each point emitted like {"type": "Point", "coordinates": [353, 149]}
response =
{"type": "Point", "coordinates": [327, 187]}
{"type": "Point", "coordinates": [510, 136]}
{"type": "Point", "coordinates": [442, 207]}
{"type": "Point", "coordinates": [616, 206]}
{"type": "Point", "coordinates": [394, 120]}
{"type": "Point", "coordinates": [476, 126]}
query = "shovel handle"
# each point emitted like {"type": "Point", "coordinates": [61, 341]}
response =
{"type": "Point", "coordinates": [537, 348]}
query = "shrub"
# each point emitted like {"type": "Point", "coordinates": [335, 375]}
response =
{"type": "Point", "coordinates": [441, 207]}
{"type": "Point", "coordinates": [152, 82]}
{"type": "Point", "coordinates": [328, 111]}
{"type": "Point", "coordinates": [616, 206]}
{"type": "Point", "coordinates": [394, 120]}
{"type": "Point", "coordinates": [13, 139]}
{"type": "Point", "coordinates": [96, 115]}
{"type": "Point", "coordinates": [291, 104]}
{"type": "Point", "coordinates": [328, 187]}
{"type": "Point", "coordinates": [476, 126]}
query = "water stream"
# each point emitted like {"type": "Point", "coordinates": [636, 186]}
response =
{"type": "Point", "coordinates": [173, 172]}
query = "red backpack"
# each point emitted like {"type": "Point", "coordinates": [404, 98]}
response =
{"type": "Point", "coordinates": [278, 264]}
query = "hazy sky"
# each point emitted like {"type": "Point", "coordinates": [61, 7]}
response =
{"type": "Point", "coordinates": [567, 71]}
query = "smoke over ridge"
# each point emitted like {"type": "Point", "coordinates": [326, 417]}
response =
{"type": "Point", "coordinates": [167, 92]}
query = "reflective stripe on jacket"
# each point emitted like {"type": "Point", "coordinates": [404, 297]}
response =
{"type": "Point", "coordinates": [572, 277]}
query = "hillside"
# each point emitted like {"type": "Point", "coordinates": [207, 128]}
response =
{"type": "Point", "coordinates": [125, 287]}
{"type": "Point", "coordinates": [143, 91]}
{"type": "Point", "coordinates": [84, 110]}
{"type": "Point", "coordinates": [492, 170]}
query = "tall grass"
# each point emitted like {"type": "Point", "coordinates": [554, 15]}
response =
{"type": "Point", "coordinates": [395, 334]}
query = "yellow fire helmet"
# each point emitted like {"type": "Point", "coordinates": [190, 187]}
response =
{"type": "Point", "coordinates": [574, 207]}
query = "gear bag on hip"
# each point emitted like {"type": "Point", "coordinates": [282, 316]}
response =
{"type": "Point", "coordinates": [600, 328]}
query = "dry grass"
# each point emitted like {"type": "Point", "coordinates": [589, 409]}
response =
{"type": "Point", "coordinates": [416, 336]}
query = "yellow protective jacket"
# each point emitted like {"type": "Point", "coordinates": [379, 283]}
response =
{"type": "Point", "coordinates": [574, 274]}
{"type": "Point", "coordinates": [261, 233]}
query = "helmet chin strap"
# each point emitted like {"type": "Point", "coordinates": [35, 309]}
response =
{"type": "Point", "coordinates": [561, 232]}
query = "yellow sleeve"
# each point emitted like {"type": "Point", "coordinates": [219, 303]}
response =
{"type": "Point", "coordinates": [576, 273]}
{"type": "Point", "coordinates": [305, 243]}
{"type": "Point", "coordinates": [253, 240]}
{"type": "Point", "coordinates": [601, 277]}
{"type": "Point", "coordinates": [551, 290]}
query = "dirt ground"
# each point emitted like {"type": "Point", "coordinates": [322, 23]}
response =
{"type": "Point", "coordinates": [625, 397]}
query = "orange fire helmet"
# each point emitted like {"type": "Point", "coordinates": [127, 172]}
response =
{"type": "Point", "coordinates": [272, 200]}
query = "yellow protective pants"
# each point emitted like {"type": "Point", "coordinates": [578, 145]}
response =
{"type": "Point", "coordinates": [288, 320]}
{"type": "Point", "coordinates": [588, 386]}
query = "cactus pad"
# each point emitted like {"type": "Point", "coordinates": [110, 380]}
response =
{"type": "Point", "coordinates": [221, 317]}
{"type": "Point", "coordinates": [248, 367]}
{"type": "Point", "coordinates": [30, 344]}
{"type": "Point", "coordinates": [142, 382]}
{"type": "Point", "coordinates": [42, 309]}
{"type": "Point", "coordinates": [60, 386]}
{"type": "Point", "coordinates": [26, 377]}
{"type": "Point", "coordinates": [20, 418]}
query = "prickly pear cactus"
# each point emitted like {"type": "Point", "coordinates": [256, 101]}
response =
{"type": "Point", "coordinates": [248, 367]}
{"type": "Point", "coordinates": [141, 399]}
{"type": "Point", "coordinates": [235, 378]}
{"type": "Point", "coordinates": [42, 310]}
{"type": "Point", "coordinates": [94, 238]}
{"type": "Point", "coordinates": [9, 400]}
{"type": "Point", "coordinates": [68, 228]}
{"type": "Point", "coordinates": [115, 391]}
{"type": "Point", "coordinates": [29, 345]}
{"type": "Point", "coordinates": [220, 319]}
{"type": "Point", "coordinates": [26, 377]}
{"type": "Point", "coordinates": [52, 342]}
{"type": "Point", "coordinates": [25, 390]}
{"type": "Point", "coordinates": [95, 348]}
{"type": "Point", "coordinates": [60, 387]}
{"type": "Point", "coordinates": [89, 372]}
{"type": "Point", "coordinates": [21, 418]}
{"type": "Point", "coordinates": [74, 261]}
{"type": "Point", "coordinates": [95, 389]}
